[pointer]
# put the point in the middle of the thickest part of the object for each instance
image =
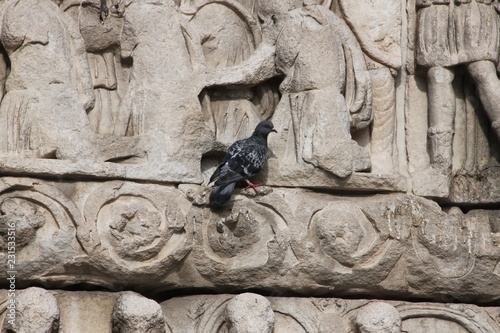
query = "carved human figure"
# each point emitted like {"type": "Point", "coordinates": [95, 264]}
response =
{"type": "Point", "coordinates": [102, 40]}
{"type": "Point", "coordinates": [338, 239]}
{"type": "Point", "coordinates": [227, 40]}
{"type": "Point", "coordinates": [162, 61]}
{"type": "Point", "coordinates": [249, 313]}
{"type": "Point", "coordinates": [377, 25]}
{"type": "Point", "coordinates": [308, 45]}
{"type": "Point", "coordinates": [161, 101]}
{"type": "Point", "coordinates": [43, 113]}
{"type": "Point", "coordinates": [450, 33]}
{"type": "Point", "coordinates": [378, 317]}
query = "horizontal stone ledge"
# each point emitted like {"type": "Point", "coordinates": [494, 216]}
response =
{"type": "Point", "coordinates": [152, 238]}
{"type": "Point", "coordinates": [39, 310]}
{"type": "Point", "coordinates": [176, 173]}
{"type": "Point", "coordinates": [462, 189]}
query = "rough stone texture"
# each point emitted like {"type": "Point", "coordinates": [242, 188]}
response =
{"type": "Point", "coordinates": [135, 313]}
{"type": "Point", "coordinates": [36, 311]}
{"type": "Point", "coordinates": [93, 312]}
{"type": "Point", "coordinates": [120, 234]}
{"type": "Point", "coordinates": [312, 315]}
{"type": "Point", "coordinates": [105, 118]}
{"type": "Point", "coordinates": [249, 313]}
{"type": "Point", "coordinates": [383, 179]}
{"type": "Point", "coordinates": [378, 317]}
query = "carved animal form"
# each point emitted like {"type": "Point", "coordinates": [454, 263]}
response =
{"type": "Point", "coordinates": [244, 159]}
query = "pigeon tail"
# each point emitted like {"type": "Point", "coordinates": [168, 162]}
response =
{"type": "Point", "coordinates": [222, 194]}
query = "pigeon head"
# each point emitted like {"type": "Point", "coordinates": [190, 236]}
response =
{"type": "Point", "coordinates": [263, 129]}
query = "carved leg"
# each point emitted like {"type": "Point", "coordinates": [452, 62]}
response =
{"type": "Point", "coordinates": [384, 121]}
{"type": "Point", "coordinates": [487, 83]}
{"type": "Point", "coordinates": [441, 98]}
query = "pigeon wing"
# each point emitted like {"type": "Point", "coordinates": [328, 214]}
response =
{"type": "Point", "coordinates": [233, 150]}
{"type": "Point", "coordinates": [245, 162]}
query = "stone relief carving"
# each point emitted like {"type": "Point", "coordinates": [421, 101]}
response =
{"type": "Point", "coordinates": [249, 313]}
{"type": "Point", "coordinates": [35, 119]}
{"type": "Point", "coordinates": [119, 118]}
{"type": "Point", "coordinates": [137, 229]}
{"type": "Point", "coordinates": [367, 96]}
{"type": "Point", "coordinates": [250, 238]}
{"type": "Point", "coordinates": [311, 100]}
{"type": "Point", "coordinates": [135, 313]}
{"type": "Point", "coordinates": [44, 222]}
{"type": "Point", "coordinates": [111, 234]}
{"type": "Point", "coordinates": [111, 66]}
{"type": "Point", "coordinates": [131, 312]}
{"type": "Point", "coordinates": [26, 218]}
{"type": "Point", "coordinates": [37, 311]}
{"type": "Point", "coordinates": [102, 41]}
{"type": "Point", "coordinates": [458, 139]}
{"type": "Point", "coordinates": [229, 35]}
{"type": "Point", "coordinates": [446, 317]}
{"type": "Point", "coordinates": [347, 245]}
{"type": "Point", "coordinates": [300, 315]}
{"type": "Point", "coordinates": [378, 31]}
{"type": "Point", "coordinates": [378, 317]}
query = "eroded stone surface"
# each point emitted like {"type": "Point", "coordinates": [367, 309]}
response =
{"type": "Point", "coordinates": [135, 313]}
{"type": "Point", "coordinates": [103, 116]}
{"type": "Point", "coordinates": [335, 315]}
{"type": "Point", "coordinates": [36, 310]}
{"type": "Point", "coordinates": [120, 234]}
{"type": "Point", "coordinates": [383, 178]}
{"type": "Point", "coordinates": [250, 312]}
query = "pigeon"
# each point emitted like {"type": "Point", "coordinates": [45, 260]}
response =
{"type": "Point", "coordinates": [244, 159]}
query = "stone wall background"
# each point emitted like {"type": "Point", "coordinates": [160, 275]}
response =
{"type": "Point", "coordinates": [381, 210]}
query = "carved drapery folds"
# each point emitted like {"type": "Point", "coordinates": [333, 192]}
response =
{"type": "Point", "coordinates": [383, 178]}
{"type": "Point", "coordinates": [364, 104]}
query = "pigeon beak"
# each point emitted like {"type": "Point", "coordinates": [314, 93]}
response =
{"type": "Point", "coordinates": [273, 130]}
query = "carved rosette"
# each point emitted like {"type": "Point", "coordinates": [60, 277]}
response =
{"type": "Point", "coordinates": [242, 244]}
{"type": "Point", "coordinates": [137, 228]}
{"type": "Point", "coordinates": [341, 244]}
{"type": "Point", "coordinates": [446, 317]}
{"type": "Point", "coordinates": [38, 226]}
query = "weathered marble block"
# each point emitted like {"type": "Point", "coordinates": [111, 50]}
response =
{"type": "Point", "coordinates": [122, 234]}
{"type": "Point", "coordinates": [107, 312]}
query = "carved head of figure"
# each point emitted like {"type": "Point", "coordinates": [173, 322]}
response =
{"type": "Point", "coordinates": [378, 317]}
